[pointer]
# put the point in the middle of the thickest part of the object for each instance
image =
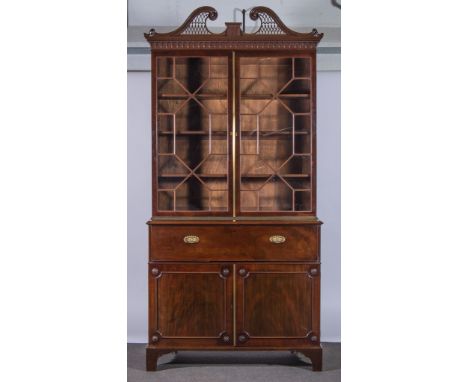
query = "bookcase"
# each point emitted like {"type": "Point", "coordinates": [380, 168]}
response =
{"type": "Point", "coordinates": [234, 257]}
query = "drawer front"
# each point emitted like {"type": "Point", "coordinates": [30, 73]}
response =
{"type": "Point", "coordinates": [234, 242]}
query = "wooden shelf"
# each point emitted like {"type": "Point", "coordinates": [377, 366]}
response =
{"type": "Point", "coordinates": [242, 175]}
{"type": "Point", "coordinates": [185, 175]}
{"type": "Point", "coordinates": [222, 97]}
{"type": "Point", "coordinates": [244, 134]}
{"type": "Point", "coordinates": [266, 134]}
{"type": "Point", "coordinates": [186, 96]}
{"type": "Point", "coordinates": [250, 97]}
{"type": "Point", "coordinates": [194, 132]}
{"type": "Point", "coordinates": [269, 175]}
{"type": "Point", "coordinates": [294, 95]}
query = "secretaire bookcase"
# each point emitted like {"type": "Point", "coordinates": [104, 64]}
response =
{"type": "Point", "coordinates": [234, 241]}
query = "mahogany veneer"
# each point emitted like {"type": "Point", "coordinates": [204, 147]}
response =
{"type": "Point", "coordinates": [234, 260]}
{"type": "Point", "coordinates": [239, 242]}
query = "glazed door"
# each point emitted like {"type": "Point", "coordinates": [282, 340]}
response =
{"type": "Point", "coordinates": [277, 305]}
{"type": "Point", "coordinates": [276, 108]}
{"type": "Point", "coordinates": [190, 305]}
{"type": "Point", "coordinates": [191, 130]}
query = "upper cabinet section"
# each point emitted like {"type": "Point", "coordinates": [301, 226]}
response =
{"type": "Point", "coordinates": [233, 119]}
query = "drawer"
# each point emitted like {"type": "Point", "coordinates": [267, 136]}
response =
{"type": "Point", "coordinates": [232, 242]}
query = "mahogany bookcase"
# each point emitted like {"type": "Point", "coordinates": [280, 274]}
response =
{"type": "Point", "coordinates": [234, 258]}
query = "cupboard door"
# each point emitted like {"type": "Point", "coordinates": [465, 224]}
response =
{"type": "Point", "coordinates": [276, 129]}
{"type": "Point", "coordinates": [190, 305]}
{"type": "Point", "coordinates": [191, 135]}
{"type": "Point", "coordinates": [277, 305]}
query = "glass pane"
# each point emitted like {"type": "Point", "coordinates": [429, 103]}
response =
{"type": "Point", "coordinates": [192, 72]}
{"type": "Point", "coordinates": [219, 200]}
{"type": "Point", "coordinates": [275, 195]}
{"type": "Point", "coordinates": [165, 200]}
{"type": "Point", "coordinates": [302, 67]}
{"type": "Point", "coordinates": [165, 67]}
{"type": "Point", "coordinates": [302, 201]}
{"type": "Point", "coordinates": [192, 134]}
{"type": "Point", "coordinates": [275, 134]}
{"type": "Point", "coordinates": [192, 195]}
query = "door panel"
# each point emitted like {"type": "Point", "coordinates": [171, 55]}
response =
{"type": "Point", "coordinates": [191, 135]}
{"type": "Point", "coordinates": [276, 135]}
{"type": "Point", "coordinates": [190, 305]}
{"type": "Point", "coordinates": [277, 305]}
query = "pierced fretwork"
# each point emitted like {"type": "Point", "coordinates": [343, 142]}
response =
{"type": "Point", "coordinates": [268, 25]}
{"type": "Point", "coordinates": [198, 25]}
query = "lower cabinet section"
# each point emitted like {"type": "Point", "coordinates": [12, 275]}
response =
{"type": "Point", "coordinates": [242, 305]}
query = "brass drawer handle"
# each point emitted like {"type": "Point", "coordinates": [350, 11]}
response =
{"type": "Point", "coordinates": [191, 239]}
{"type": "Point", "coordinates": [277, 239]}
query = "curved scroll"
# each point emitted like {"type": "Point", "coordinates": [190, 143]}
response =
{"type": "Point", "coordinates": [194, 25]}
{"type": "Point", "coordinates": [271, 24]}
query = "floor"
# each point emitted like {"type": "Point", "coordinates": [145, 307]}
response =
{"type": "Point", "coordinates": [234, 366]}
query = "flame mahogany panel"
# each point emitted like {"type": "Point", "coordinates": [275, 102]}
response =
{"type": "Point", "coordinates": [190, 305]}
{"type": "Point", "coordinates": [278, 305]}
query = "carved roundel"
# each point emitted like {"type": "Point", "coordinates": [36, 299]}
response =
{"type": "Point", "coordinates": [243, 272]}
{"type": "Point", "coordinates": [224, 338]}
{"type": "Point", "coordinates": [225, 272]}
{"type": "Point", "coordinates": [242, 337]}
{"type": "Point", "coordinates": [313, 338]}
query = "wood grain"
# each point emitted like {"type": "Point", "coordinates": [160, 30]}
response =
{"type": "Point", "coordinates": [190, 304]}
{"type": "Point", "coordinates": [277, 304]}
{"type": "Point", "coordinates": [234, 242]}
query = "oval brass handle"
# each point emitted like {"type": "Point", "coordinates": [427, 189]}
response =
{"type": "Point", "coordinates": [277, 239]}
{"type": "Point", "coordinates": [191, 239]}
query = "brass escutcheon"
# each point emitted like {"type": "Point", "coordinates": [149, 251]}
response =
{"type": "Point", "coordinates": [277, 239]}
{"type": "Point", "coordinates": [191, 239]}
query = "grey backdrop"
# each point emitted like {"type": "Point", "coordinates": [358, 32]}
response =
{"type": "Point", "coordinates": [139, 200]}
